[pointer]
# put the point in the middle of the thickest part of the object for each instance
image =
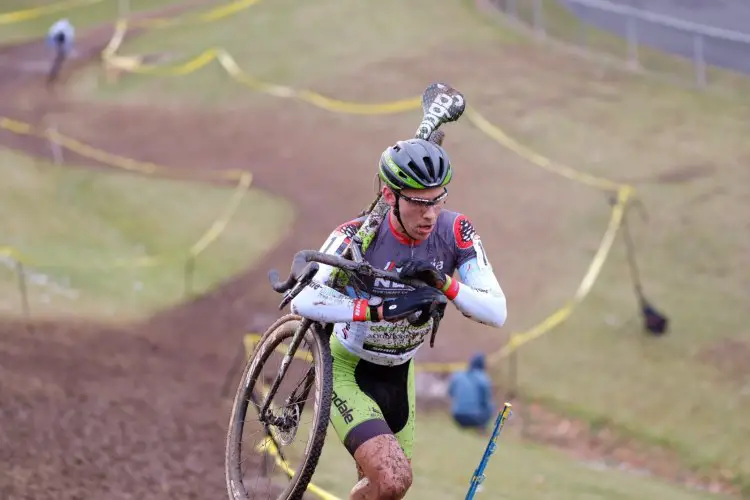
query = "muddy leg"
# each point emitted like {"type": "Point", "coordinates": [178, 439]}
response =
{"type": "Point", "coordinates": [385, 470]}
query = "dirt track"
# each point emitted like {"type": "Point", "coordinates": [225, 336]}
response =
{"type": "Point", "coordinates": [89, 411]}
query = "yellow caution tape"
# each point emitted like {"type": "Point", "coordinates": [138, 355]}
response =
{"type": "Point", "coordinates": [134, 64]}
{"type": "Point", "coordinates": [99, 155]}
{"type": "Point", "coordinates": [209, 237]}
{"type": "Point", "coordinates": [229, 64]}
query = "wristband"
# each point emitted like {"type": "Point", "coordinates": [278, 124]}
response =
{"type": "Point", "coordinates": [372, 313]}
{"type": "Point", "coordinates": [450, 289]}
{"type": "Point", "coordinates": [361, 310]}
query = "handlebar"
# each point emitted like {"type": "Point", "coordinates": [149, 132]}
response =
{"type": "Point", "coordinates": [305, 265]}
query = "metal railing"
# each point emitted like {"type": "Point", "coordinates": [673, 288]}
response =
{"type": "Point", "coordinates": [637, 37]}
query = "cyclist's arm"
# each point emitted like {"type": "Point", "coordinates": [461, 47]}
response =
{"type": "Point", "coordinates": [320, 302]}
{"type": "Point", "coordinates": [477, 293]}
{"type": "Point", "coordinates": [479, 296]}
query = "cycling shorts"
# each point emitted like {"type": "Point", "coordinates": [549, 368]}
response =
{"type": "Point", "coordinates": [370, 400]}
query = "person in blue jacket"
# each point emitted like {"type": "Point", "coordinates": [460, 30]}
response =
{"type": "Point", "coordinates": [472, 404]}
{"type": "Point", "coordinates": [60, 38]}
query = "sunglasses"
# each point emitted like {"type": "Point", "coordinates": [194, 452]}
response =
{"type": "Point", "coordinates": [426, 202]}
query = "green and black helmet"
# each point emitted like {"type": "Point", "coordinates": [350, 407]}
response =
{"type": "Point", "coordinates": [415, 164]}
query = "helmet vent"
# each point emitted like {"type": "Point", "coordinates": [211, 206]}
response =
{"type": "Point", "coordinates": [414, 168]}
{"type": "Point", "coordinates": [430, 167]}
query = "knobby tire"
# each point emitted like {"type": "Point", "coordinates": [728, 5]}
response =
{"type": "Point", "coordinates": [317, 338]}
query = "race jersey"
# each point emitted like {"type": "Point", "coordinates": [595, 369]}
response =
{"type": "Point", "coordinates": [453, 245]}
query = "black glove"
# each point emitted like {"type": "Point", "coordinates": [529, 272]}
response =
{"type": "Point", "coordinates": [424, 300]}
{"type": "Point", "coordinates": [424, 271]}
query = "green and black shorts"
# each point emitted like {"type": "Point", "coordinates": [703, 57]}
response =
{"type": "Point", "coordinates": [370, 400]}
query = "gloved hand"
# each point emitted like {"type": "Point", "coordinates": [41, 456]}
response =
{"type": "Point", "coordinates": [423, 270]}
{"type": "Point", "coordinates": [424, 300]}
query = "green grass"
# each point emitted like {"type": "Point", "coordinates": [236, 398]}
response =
{"type": "Point", "coordinates": [81, 17]}
{"type": "Point", "coordinates": [692, 253]}
{"type": "Point", "coordinates": [72, 224]}
{"type": "Point", "coordinates": [445, 458]}
{"type": "Point", "coordinates": [274, 40]}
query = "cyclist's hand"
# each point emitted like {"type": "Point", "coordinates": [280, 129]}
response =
{"type": "Point", "coordinates": [425, 300]}
{"type": "Point", "coordinates": [423, 270]}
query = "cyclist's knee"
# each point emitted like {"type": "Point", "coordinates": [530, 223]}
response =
{"type": "Point", "coordinates": [393, 486]}
{"type": "Point", "coordinates": [387, 470]}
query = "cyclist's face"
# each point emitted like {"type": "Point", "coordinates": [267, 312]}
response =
{"type": "Point", "coordinates": [419, 209]}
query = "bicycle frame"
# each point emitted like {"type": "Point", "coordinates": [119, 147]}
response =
{"type": "Point", "coordinates": [304, 266]}
{"type": "Point", "coordinates": [296, 341]}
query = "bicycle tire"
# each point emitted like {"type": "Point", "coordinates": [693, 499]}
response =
{"type": "Point", "coordinates": [282, 329]}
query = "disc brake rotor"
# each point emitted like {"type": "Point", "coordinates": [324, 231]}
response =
{"type": "Point", "coordinates": [286, 434]}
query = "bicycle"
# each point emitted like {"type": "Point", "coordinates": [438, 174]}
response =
{"type": "Point", "coordinates": [319, 376]}
{"type": "Point", "coordinates": [441, 104]}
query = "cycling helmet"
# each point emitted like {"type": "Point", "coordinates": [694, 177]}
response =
{"type": "Point", "coordinates": [415, 164]}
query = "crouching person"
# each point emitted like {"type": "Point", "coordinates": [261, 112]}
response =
{"type": "Point", "coordinates": [472, 405]}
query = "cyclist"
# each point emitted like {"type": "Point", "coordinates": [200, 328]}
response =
{"type": "Point", "coordinates": [373, 345]}
{"type": "Point", "coordinates": [60, 38]}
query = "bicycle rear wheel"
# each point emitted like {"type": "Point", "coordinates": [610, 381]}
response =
{"type": "Point", "coordinates": [282, 421]}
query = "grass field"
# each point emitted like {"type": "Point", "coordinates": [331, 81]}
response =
{"type": "Point", "coordinates": [83, 17]}
{"type": "Point", "coordinates": [277, 37]}
{"type": "Point", "coordinates": [685, 152]}
{"type": "Point", "coordinates": [445, 458]}
{"type": "Point", "coordinates": [73, 226]}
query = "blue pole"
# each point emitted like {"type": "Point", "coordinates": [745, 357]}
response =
{"type": "Point", "coordinates": [478, 476]}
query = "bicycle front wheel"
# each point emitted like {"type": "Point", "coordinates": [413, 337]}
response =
{"type": "Point", "coordinates": [306, 409]}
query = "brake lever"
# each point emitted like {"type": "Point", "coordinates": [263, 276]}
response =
{"type": "Point", "coordinates": [290, 294]}
{"type": "Point", "coordinates": [435, 313]}
{"type": "Point", "coordinates": [436, 318]}
{"type": "Point", "coordinates": [303, 280]}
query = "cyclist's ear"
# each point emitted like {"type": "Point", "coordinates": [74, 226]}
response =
{"type": "Point", "coordinates": [389, 196]}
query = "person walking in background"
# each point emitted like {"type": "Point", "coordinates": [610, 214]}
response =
{"type": "Point", "coordinates": [472, 404]}
{"type": "Point", "coordinates": [60, 38]}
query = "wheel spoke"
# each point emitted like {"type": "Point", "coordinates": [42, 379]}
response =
{"type": "Point", "coordinates": [284, 421]}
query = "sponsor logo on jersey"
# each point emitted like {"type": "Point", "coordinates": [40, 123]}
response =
{"type": "Point", "coordinates": [384, 283]}
{"type": "Point", "coordinates": [343, 408]}
{"type": "Point", "coordinates": [464, 232]}
{"type": "Point", "coordinates": [349, 228]}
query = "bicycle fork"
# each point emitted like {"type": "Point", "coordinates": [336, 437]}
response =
{"type": "Point", "coordinates": [299, 335]}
